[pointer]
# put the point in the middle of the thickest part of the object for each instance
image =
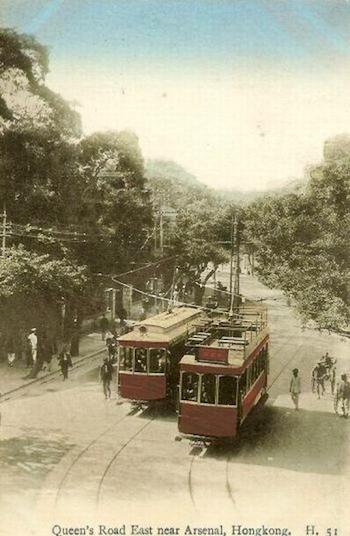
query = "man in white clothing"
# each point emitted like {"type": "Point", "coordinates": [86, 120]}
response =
{"type": "Point", "coordinates": [33, 340]}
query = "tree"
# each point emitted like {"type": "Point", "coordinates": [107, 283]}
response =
{"type": "Point", "coordinates": [302, 241]}
{"type": "Point", "coordinates": [34, 287]}
{"type": "Point", "coordinates": [196, 243]}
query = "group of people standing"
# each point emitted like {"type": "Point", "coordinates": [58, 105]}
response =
{"type": "Point", "coordinates": [34, 350]}
{"type": "Point", "coordinates": [324, 370]}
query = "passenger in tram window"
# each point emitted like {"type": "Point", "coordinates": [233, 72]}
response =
{"type": "Point", "coordinates": [227, 390]}
{"type": "Point", "coordinates": [208, 389]}
{"type": "Point", "coordinates": [161, 361]}
{"type": "Point", "coordinates": [189, 387]}
{"type": "Point", "coordinates": [157, 360]}
{"type": "Point", "coordinates": [125, 359]}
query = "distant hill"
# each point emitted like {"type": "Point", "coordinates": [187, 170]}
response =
{"type": "Point", "coordinates": [244, 198]}
{"type": "Point", "coordinates": [174, 186]}
{"type": "Point", "coordinates": [170, 170]}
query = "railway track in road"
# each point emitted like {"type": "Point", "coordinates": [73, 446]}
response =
{"type": "Point", "coordinates": [114, 457]}
{"type": "Point", "coordinates": [102, 443]}
{"type": "Point", "coordinates": [79, 456]}
{"type": "Point", "coordinates": [195, 459]}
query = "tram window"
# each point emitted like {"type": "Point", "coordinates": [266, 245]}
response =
{"type": "Point", "coordinates": [157, 358]}
{"type": "Point", "coordinates": [262, 360]}
{"type": "Point", "coordinates": [259, 362]}
{"type": "Point", "coordinates": [256, 368]}
{"type": "Point", "coordinates": [141, 360]}
{"type": "Point", "coordinates": [227, 390]}
{"type": "Point", "coordinates": [243, 382]}
{"type": "Point", "coordinates": [253, 371]}
{"type": "Point", "coordinates": [189, 389]}
{"type": "Point", "coordinates": [249, 377]}
{"type": "Point", "coordinates": [208, 389]}
{"type": "Point", "coordinates": [125, 354]}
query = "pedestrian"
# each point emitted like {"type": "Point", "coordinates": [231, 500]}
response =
{"type": "Point", "coordinates": [10, 350]}
{"type": "Point", "coordinates": [294, 388]}
{"type": "Point", "coordinates": [106, 373]}
{"type": "Point", "coordinates": [65, 362]}
{"type": "Point", "coordinates": [319, 374]}
{"type": "Point", "coordinates": [33, 341]}
{"type": "Point", "coordinates": [104, 324]}
{"type": "Point", "coordinates": [343, 395]}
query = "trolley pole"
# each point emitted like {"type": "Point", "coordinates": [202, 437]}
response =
{"type": "Point", "coordinates": [4, 222]}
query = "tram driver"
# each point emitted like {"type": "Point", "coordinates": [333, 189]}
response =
{"type": "Point", "coordinates": [140, 360]}
{"type": "Point", "coordinates": [208, 389]}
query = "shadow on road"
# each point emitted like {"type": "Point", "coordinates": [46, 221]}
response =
{"type": "Point", "coordinates": [304, 440]}
{"type": "Point", "coordinates": [29, 457]}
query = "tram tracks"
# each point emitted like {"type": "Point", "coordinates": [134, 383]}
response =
{"type": "Point", "coordinates": [229, 492]}
{"type": "Point", "coordinates": [113, 459]}
{"type": "Point", "coordinates": [81, 459]}
{"type": "Point", "coordinates": [60, 488]}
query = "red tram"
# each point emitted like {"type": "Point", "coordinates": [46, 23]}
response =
{"type": "Point", "coordinates": [148, 356]}
{"type": "Point", "coordinates": [226, 375]}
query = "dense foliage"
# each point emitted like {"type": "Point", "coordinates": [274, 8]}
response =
{"type": "Point", "coordinates": [302, 242]}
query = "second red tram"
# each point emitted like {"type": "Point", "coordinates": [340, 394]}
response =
{"type": "Point", "coordinates": [148, 356]}
{"type": "Point", "coordinates": [225, 376]}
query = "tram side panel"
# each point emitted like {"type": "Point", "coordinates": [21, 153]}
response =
{"type": "Point", "coordinates": [214, 400]}
{"type": "Point", "coordinates": [134, 387]}
{"type": "Point", "coordinates": [149, 373]}
{"type": "Point", "coordinates": [213, 421]}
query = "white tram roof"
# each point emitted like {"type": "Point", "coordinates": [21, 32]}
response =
{"type": "Point", "coordinates": [164, 326]}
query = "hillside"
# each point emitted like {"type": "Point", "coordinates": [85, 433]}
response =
{"type": "Point", "coordinates": [172, 185]}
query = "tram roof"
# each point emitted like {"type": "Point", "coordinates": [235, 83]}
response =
{"type": "Point", "coordinates": [236, 355]}
{"type": "Point", "coordinates": [164, 326]}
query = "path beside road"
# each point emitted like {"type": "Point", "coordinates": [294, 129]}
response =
{"type": "Point", "coordinates": [16, 376]}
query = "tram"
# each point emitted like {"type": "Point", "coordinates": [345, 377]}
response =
{"type": "Point", "coordinates": [224, 375]}
{"type": "Point", "coordinates": [149, 355]}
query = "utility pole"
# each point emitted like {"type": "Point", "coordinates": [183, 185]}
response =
{"type": "Point", "coordinates": [4, 222]}
{"type": "Point", "coordinates": [231, 256]}
{"type": "Point", "coordinates": [234, 289]}
{"type": "Point", "coordinates": [155, 236]}
{"type": "Point", "coordinates": [161, 231]}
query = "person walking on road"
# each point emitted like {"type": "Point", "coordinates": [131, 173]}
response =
{"type": "Point", "coordinates": [106, 373]}
{"type": "Point", "coordinates": [104, 325]}
{"type": "Point", "coordinates": [65, 362]}
{"type": "Point", "coordinates": [343, 396]}
{"type": "Point", "coordinates": [295, 388]}
{"type": "Point", "coordinates": [318, 378]}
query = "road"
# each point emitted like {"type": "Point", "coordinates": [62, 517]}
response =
{"type": "Point", "coordinates": [70, 457]}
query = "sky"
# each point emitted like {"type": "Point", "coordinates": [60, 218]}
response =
{"type": "Point", "coordinates": [242, 93]}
